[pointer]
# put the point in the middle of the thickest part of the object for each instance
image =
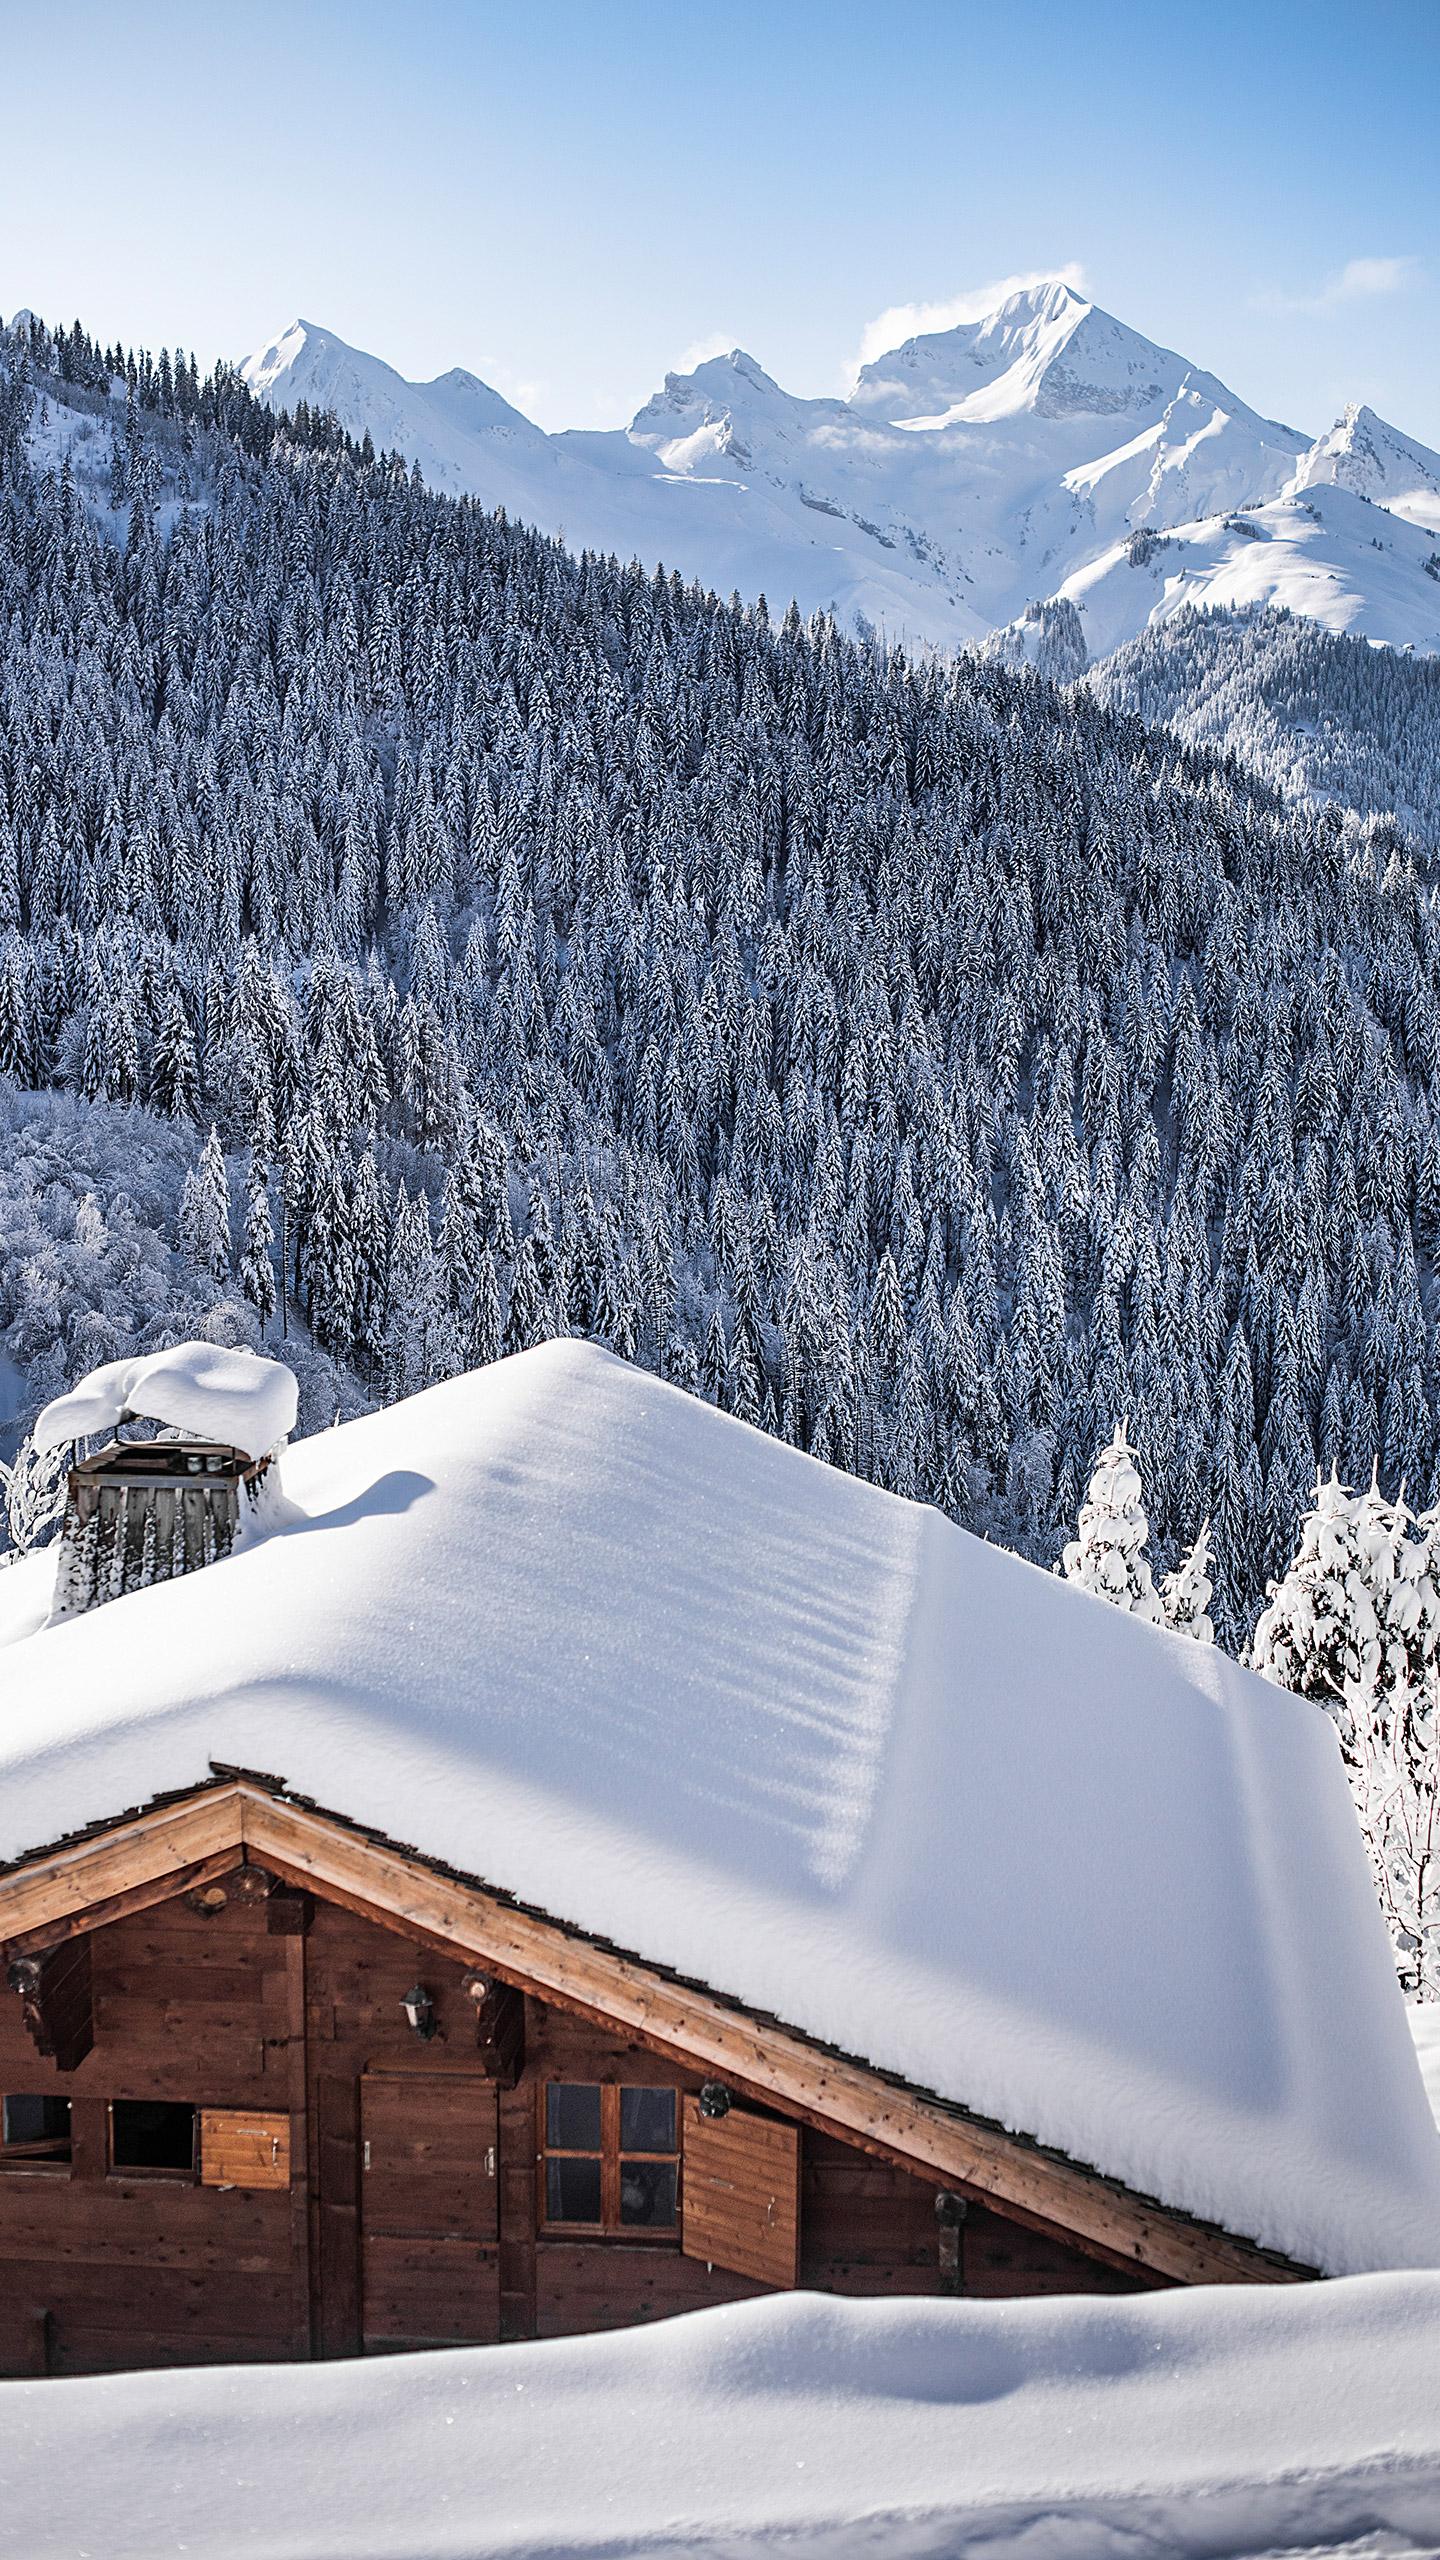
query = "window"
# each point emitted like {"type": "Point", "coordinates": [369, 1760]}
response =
{"type": "Point", "coordinates": [610, 2158]}
{"type": "Point", "coordinates": [152, 2133]}
{"type": "Point", "coordinates": [34, 2131]}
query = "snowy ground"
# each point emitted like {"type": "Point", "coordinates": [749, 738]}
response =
{"type": "Point", "coordinates": [1213, 2423]}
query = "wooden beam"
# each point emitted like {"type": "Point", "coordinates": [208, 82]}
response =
{"type": "Point", "coordinates": [303, 2300]}
{"type": "Point", "coordinates": [122, 1906]}
{"type": "Point", "coordinates": [156, 1849]}
{"type": "Point", "coordinates": [288, 1914]}
{"type": "Point", "coordinates": [150, 1854]}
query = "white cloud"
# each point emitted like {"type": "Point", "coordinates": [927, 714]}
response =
{"type": "Point", "coordinates": [1359, 280]}
{"type": "Point", "coordinates": [701, 350]}
{"type": "Point", "coordinates": [917, 319]}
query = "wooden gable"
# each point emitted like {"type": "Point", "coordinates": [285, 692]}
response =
{"type": "Point", "coordinates": [177, 1847]}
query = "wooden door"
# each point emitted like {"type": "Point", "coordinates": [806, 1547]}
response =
{"type": "Point", "coordinates": [740, 2194]}
{"type": "Point", "coordinates": [429, 2230]}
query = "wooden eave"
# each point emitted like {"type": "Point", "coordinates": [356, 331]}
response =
{"type": "Point", "coordinates": [147, 1855]}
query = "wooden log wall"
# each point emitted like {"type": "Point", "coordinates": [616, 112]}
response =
{"type": "Point", "coordinates": [100, 2273]}
{"type": "Point", "coordinates": [285, 2008]}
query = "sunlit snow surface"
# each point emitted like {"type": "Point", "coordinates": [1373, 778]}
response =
{"type": "Point", "coordinates": [1169, 2427]}
{"type": "Point", "coordinates": [576, 1633]}
{"type": "Point", "coordinates": [199, 1388]}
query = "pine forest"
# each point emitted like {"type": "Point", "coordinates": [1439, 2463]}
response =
{"type": "Point", "coordinates": [425, 941]}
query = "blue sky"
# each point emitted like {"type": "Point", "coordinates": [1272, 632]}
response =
{"type": "Point", "coordinates": [571, 198]}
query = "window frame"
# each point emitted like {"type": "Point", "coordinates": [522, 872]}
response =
{"type": "Point", "coordinates": [24, 2159]}
{"type": "Point", "coordinates": [178, 2177]}
{"type": "Point", "coordinates": [610, 2227]}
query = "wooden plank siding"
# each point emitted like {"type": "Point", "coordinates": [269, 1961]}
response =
{"type": "Point", "coordinates": [154, 2269]}
{"type": "Point", "coordinates": [99, 2272]}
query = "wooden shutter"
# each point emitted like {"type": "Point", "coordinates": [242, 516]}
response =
{"type": "Point", "coordinates": [740, 2194]}
{"type": "Point", "coordinates": [238, 2149]}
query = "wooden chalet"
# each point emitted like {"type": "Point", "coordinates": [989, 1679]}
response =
{"type": "Point", "coordinates": [274, 2088]}
{"type": "Point", "coordinates": [682, 1859]}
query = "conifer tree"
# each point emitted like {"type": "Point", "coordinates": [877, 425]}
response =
{"type": "Point", "coordinates": [1185, 1594]}
{"type": "Point", "coordinates": [1319, 1633]}
{"type": "Point", "coordinates": [32, 1487]}
{"type": "Point", "coordinates": [1108, 1555]}
{"type": "Point", "coordinates": [257, 1269]}
{"type": "Point", "coordinates": [203, 1231]}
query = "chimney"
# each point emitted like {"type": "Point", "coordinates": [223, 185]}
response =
{"type": "Point", "coordinates": [143, 1511]}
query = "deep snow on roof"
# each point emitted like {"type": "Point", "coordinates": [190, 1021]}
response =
{"type": "Point", "coordinates": [572, 1631]}
{"type": "Point", "coordinates": [196, 1387]}
{"type": "Point", "coordinates": [1234, 2419]}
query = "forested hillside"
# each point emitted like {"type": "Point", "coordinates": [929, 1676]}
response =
{"type": "Point", "coordinates": [928, 1066]}
{"type": "Point", "coordinates": [1320, 715]}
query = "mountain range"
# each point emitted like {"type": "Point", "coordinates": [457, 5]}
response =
{"type": "Point", "coordinates": [1045, 451]}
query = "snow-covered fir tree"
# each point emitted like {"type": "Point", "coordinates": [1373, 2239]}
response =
{"type": "Point", "coordinates": [1319, 1633]}
{"type": "Point", "coordinates": [32, 1489]}
{"type": "Point", "coordinates": [1186, 1593]}
{"type": "Point", "coordinates": [1108, 1555]}
{"type": "Point", "coordinates": [1355, 1624]}
{"type": "Point", "coordinates": [203, 1227]}
{"type": "Point", "coordinates": [257, 1267]}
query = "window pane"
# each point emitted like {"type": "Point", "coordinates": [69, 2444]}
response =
{"type": "Point", "coordinates": [39, 2122]}
{"type": "Point", "coordinates": [647, 2119]}
{"type": "Point", "coordinates": [572, 2116]}
{"type": "Point", "coordinates": [647, 2193]}
{"type": "Point", "coordinates": [572, 2190]}
{"type": "Point", "coordinates": [151, 2133]}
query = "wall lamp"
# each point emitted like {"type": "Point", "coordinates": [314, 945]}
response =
{"type": "Point", "coordinates": [419, 2011]}
{"type": "Point", "coordinates": [714, 2099]}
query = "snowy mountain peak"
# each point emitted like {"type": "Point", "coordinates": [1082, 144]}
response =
{"type": "Point", "coordinates": [722, 383]}
{"type": "Point", "coordinates": [432, 423]}
{"type": "Point", "coordinates": [1364, 454]}
{"type": "Point", "coordinates": [1045, 351]}
{"type": "Point", "coordinates": [269, 366]}
{"type": "Point", "coordinates": [1021, 455]}
{"type": "Point", "coordinates": [729, 410]}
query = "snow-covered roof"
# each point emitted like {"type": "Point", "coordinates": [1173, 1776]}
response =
{"type": "Point", "coordinates": [196, 1387]}
{"type": "Point", "coordinates": [575, 1633]}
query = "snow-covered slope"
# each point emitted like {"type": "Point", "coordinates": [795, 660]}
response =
{"type": "Point", "coordinates": [1245, 2420]}
{"type": "Point", "coordinates": [1425, 2028]}
{"type": "Point", "coordinates": [970, 473]}
{"type": "Point", "coordinates": [573, 1631]}
{"type": "Point", "coordinates": [1325, 554]}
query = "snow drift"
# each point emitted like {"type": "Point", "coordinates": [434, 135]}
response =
{"type": "Point", "coordinates": [580, 1635]}
{"type": "Point", "coordinates": [1185, 2425]}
